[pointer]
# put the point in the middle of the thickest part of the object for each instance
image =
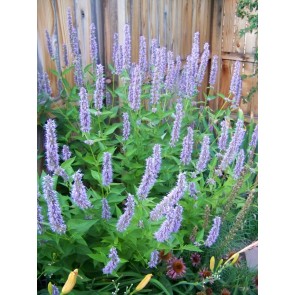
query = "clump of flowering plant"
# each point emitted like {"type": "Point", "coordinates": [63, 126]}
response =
{"type": "Point", "coordinates": [134, 186]}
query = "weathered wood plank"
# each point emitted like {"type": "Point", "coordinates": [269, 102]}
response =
{"type": "Point", "coordinates": [247, 57]}
{"type": "Point", "coordinates": [186, 42]}
{"type": "Point", "coordinates": [228, 25]}
{"type": "Point", "coordinates": [45, 21]}
{"type": "Point", "coordinates": [135, 29]}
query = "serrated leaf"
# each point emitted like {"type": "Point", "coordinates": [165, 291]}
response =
{"type": "Point", "coordinates": [80, 226]}
{"type": "Point", "coordinates": [190, 248]}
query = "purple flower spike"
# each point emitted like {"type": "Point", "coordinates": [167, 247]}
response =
{"type": "Point", "coordinates": [148, 180]}
{"type": "Point", "coordinates": [204, 155]}
{"type": "Point", "coordinates": [70, 25]}
{"type": "Point", "coordinates": [49, 44]}
{"type": "Point", "coordinates": [171, 199]}
{"type": "Point", "coordinates": [65, 55]}
{"type": "Point", "coordinates": [119, 60]}
{"type": "Point", "coordinates": [239, 164]}
{"type": "Point", "coordinates": [46, 84]}
{"type": "Point", "coordinates": [62, 173]}
{"type": "Point", "coordinates": [157, 158]}
{"type": "Point", "coordinates": [177, 124]}
{"type": "Point", "coordinates": [254, 138]}
{"type": "Point", "coordinates": [113, 263]}
{"type": "Point", "coordinates": [234, 84]}
{"type": "Point", "coordinates": [203, 65]}
{"type": "Point", "coordinates": [192, 190]}
{"type": "Point", "coordinates": [237, 97]}
{"type": "Point", "coordinates": [187, 147]}
{"type": "Point", "coordinates": [126, 217]}
{"type": "Point", "coordinates": [135, 88]}
{"type": "Point", "coordinates": [195, 53]}
{"type": "Point", "coordinates": [51, 148]}
{"type": "Point", "coordinates": [154, 259]}
{"type": "Point", "coordinates": [142, 54]}
{"type": "Point", "coordinates": [55, 290]}
{"type": "Point", "coordinates": [163, 62]}
{"type": "Point", "coordinates": [106, 210]}
{"type": "Point", "coordinates": [75, 43]}
{"type": "Point", "coordinates": [127, 48]}
{"type": "Point", "coordinates": [189, 79]}
{"type": "Point", "coordinates": [78, 192]}
{"type": "Point", "coordinates": [93, 43]}
{"type": "Point", "coordinates": [115, 46]}
{"type": "Point", "coordinates": [126, 126]}
{"type": "Point", "coordinates": [214, 232]}
{"type": "Point", "coordinates": [153, 53]}
{"type": "Point", "coordinates": [234, 146]}
{"type": "Point", "coordinates": [78, 73]}
{"type": "Point", "coordinates": [40, 218]}
{"type": "Point", "coordinates": [213, 72]}
{"type": "Point", "coordinates": [156, 79]}
{"type": "Point", "coordinates": [66, 153]}
{"type": "Point", "coordinates": [107, 171]}
{"type": "Point", "coordinates": [99, 88]}
{"type": "Point", "coordinates": [54, 211]}
{"type": "Point", "coordinates": [170, 77]}
{"type": "Point", "coordinates": [170, 225]}
{"type": "Point", "coordinates": [85, 119]}
{"type": "Point", "coordinates": [222, 141]}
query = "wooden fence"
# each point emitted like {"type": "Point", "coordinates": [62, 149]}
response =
{"type": "Point", "coordinates": [172, 22]}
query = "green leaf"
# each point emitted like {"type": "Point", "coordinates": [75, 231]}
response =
{"type": "Point", "coordinates": [160, 286]}
{"type": "Point", "coordinates": [67, 70]}
{"type": "Point", "coordinates": [112, 128]}
{"type": "Point", "coordinates": [96, 175]}
{"type": "Point", "coordinates": [54, 72]}
{"type": "Point", "coordinates": [211, 97]}
{"type": "Point", "coordinates": [190, 248]}
{"type": "Point", "coordinates": [80, 226]}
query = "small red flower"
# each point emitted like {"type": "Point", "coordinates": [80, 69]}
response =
{"type": "Point", "coordinates": [176, 268]}
{"type": "Point", "coordinates": [196, 259]}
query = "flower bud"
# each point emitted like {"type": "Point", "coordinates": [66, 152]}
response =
{"type": "Point", "coordinates": [70, 283]}
{"type": "Point", "coordinates": [144, 282]}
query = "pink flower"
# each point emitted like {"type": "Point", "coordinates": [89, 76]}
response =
{"type": "Point", "coordinates": [176, 268]}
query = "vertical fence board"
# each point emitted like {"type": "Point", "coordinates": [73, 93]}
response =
{"type": "Point", "coordinates": [135, 25]}
{"type": "Point", "coordinates": [45, 21]}
{"type": "Point", "coordinates": [228, 25]}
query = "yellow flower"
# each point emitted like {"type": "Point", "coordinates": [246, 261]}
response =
{"type": "Point", "coordinates": [50, 288]}
{"type": "Point", "coordinates": [219, 263]}
{"type": "Point", "coordinates": [212, 263]}
{"type": "Point", "coordinates": [235, 257]}
{"type": "Point", "coordinates": [144, 282]}
{"type": "Point", "coordinates": [70, 283]}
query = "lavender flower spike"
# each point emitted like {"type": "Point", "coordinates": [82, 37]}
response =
{"type": "Point", "coordinates": [204, 155]}
{"type": "Point", "coordinates": [65, 55]}
{"type": "Point", "coordinates": [49, 44]}
{"type": "Point", "coordinates": [51, 148]}
{"type": "Point", "coordinates": [127, 48]}
{"type": "Point", "coordinates": [153, 53]}
{"type": "Point", "coordinates": [213, 72]}
{"type": "Point", "coordinates": [254, 138]}
{"type": "Point", "coordinates": [78, 73]}
{"type": "Point", "coordinates": [113, 263]}
{"type": "Point", "coordinates": [106, 210]}
{"type": "Point", "coordinates": [171, 199]}
{"type": "Point", "coordinates": [239, 164]}
{"type": "Point", "coordinates": [154, 259]}
{"type": "Point", "coordinates": [126, 217]}
{"type": "Point", "coordinates": [135, 88]}
{"type": "Point", "coordinates": [93, 43]}
{"type": "Point", "coordinates": [177, 124]}
{"type": "Point", "coordinates": [170, 225]}
{"type": "Point", "coordinates": [214, 232]}
{"type": "Point", "coordinates": [157, 158]}
{"type": "Point", "coordinates": [99, 88]}
{"type": "Point", "coordinates": [195, 53]}
{"type": "Point", "coordinates": [40, 217]}
{"type": "Point", "coordinates": [62, 173]}
{"type": "Point", "coordinates": [54, 211]}
{"type": "Point", "coordinates": [203, 65]}
{"type": "Point", "coordinates": [55, 290]}
{"type": "Point", "coordinates": [237, 97]}
{"type": "Point", "coordinates": [235, 78]}
{"type": "Point", "coordinates": [107, 171]}
{"type": "Point", "coordinates": [46, 84]}
{"type": "Point", "coordinates": [142, 54]}
{"type": "Point", "coordinates": [66, 153]}
{"type": "Point", "coordinates": [234, 146]}
{"type": "Point", "coordinates": [126, 126]}
{"type": "Point", "coordinates": [148, 180]}
{"type": "Point", "coordinates": [78, 192]}
{"type": "Point", "coordinates": [85, 119]}
{"type": "Point", "coordinates": [222, 141]}
{"type": "Point", "coordinates": [187, 147]}
{"type": "Point", "coordinates": [192, 190]}
{"type": "Point", "coordinates": [115, 47]}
